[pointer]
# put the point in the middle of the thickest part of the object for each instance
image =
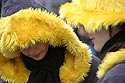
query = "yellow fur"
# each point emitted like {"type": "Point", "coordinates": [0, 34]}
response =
{"type": "Point", "coordinates": [94, 14]}
{"type": "Point", "coordinates": [19, 30]}
{"type": "Point", "coordinates": [13, 70]}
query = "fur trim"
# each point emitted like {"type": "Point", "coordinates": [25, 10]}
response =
{"type": "Point", "coordinates": [70, 73]}
{"type": "Point", "coordinates": [19, 31]}
{"type": "Point", "coordinates": [13, 70]}
{"type": "Point", "coordinates": [111, 59]}
{"type": "Point", "coordinates": [94, 14]}
{"type": "Point", "coordinates": [67, 11]}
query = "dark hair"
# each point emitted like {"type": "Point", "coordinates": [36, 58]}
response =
{"type": "Point", "coordinates": [115, 43]}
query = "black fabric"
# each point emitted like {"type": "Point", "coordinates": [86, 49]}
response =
{"type": "Point", "coordinates": [47, 69]}
{"type": "Point", "coordinates": [10, 7]}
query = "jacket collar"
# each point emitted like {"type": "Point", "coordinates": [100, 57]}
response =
{"type": "Point", "coordinates": [111, 59]}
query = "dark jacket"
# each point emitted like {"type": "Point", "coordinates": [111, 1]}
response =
{"type": "Point", "coordinates": [114, 75]}
{"type": "Point", "coordinates": [92, 77]}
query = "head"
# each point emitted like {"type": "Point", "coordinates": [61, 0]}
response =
{"type": "Point", "coordinates": [36, 51]}
{"type": "Point", "coordinates": [99, 38]}
{"type": "Point", "coordinates": [102, 19]}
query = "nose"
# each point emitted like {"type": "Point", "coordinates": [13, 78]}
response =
{"type": "Point", "coordinates": [90, 35]}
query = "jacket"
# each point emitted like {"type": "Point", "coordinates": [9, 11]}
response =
{"type": "Point", "coordinates": [112, 70]}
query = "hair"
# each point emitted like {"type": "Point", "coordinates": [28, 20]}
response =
{"type": "Point", "coordinates": [116, 42]}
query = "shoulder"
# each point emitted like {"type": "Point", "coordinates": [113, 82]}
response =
{"type": "Point", "coordinates": [115, 75]}
{"type": "Point", "coordinates": [119, 69]}
{"type": "Point", "coordinates": [95, 61]}
{"type": "Point", "coordinates": [94, 65]}
{"type": "Point", "coordinates": [91, 78]}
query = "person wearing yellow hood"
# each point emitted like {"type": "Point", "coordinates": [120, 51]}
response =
{"type": "Point", "coordinates": [104, 20]}
{"type": "Point", "coordinates": [38, 47]}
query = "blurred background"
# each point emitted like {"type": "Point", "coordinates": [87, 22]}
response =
{"type": "Point", "coordinates": [53, 5]}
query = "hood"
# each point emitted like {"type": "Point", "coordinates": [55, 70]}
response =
{"type": "Point", "coordinates": [94, 14]}
{"type": "Point", "coordinates": [29, 26]}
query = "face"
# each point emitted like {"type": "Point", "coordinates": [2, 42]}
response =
{"type": "Point", "coordinates": [36, 51]}
{"type": "Point", "coordinates": [99, 38]}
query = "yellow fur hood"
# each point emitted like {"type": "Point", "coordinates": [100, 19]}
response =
{"type": "Point", "coordinates": [94, 14]}
{"type": "Point", "coordinates": [30, 26]}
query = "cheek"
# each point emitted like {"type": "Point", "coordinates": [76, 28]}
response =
{"type": "Point", "coordinates": [100, 40]}
{"type": "Point", "coordinates": [98, 46]}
